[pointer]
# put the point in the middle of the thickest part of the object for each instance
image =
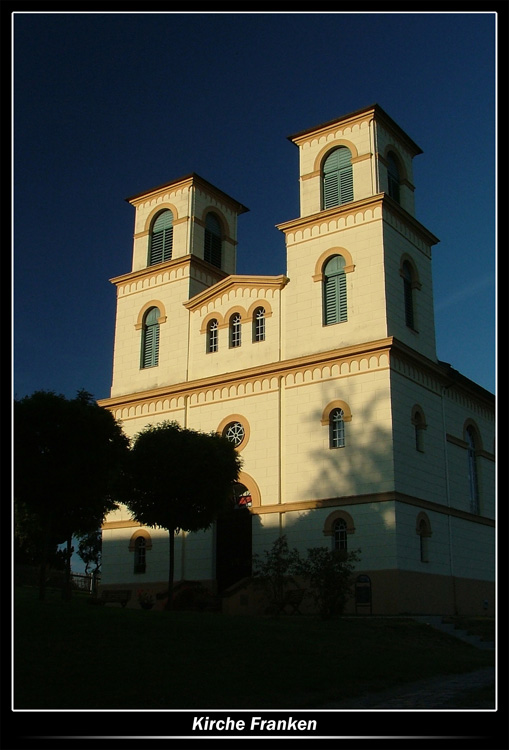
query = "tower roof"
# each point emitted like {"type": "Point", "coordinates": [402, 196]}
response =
{"type": "Point", "coordinates": [373, 111]}
{"type": "Point", "coordinates": [195, 179]}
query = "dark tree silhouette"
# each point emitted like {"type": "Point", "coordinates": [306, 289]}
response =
{"type": "Point", "coordinates": [67, 457]}
{"type": "Point", "coordinates": [90, 550]}
{"type": "Point", "coordinates": [179, 479]}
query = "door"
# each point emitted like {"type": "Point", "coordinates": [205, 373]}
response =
{"type": "Point", "coordinates": [234, 541]}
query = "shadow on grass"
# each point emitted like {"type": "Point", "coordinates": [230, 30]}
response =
{"type": "Point", "coordinates": [68, 655]}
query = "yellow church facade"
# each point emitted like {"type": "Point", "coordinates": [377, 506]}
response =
{"type": "Point", "coordinates": [353, 434]}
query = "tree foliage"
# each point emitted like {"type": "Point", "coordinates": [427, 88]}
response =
{"type": "Point", "coordinates": [330, 575]}
{"type": "Point", "coordinates": [327, 574]}
{"type": "Point", "coordinates": [90, 550]}
{"type": "Point", "coordinates": [67, 457]}
{"type": "Point", "coordinates": [179, 479]}
{"type": "Point", "coordinates": [276, 571]}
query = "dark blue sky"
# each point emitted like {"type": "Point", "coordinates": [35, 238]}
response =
{"type": "Point", "coordinates": [107, 105]}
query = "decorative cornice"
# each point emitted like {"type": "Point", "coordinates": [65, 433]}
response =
{"type": "Point", "coordinates": [348, 500]}
{"type": "Point", "coordinates": [373, 208]}
{"type": "Point", "coordinates": [295, 372]}
{"type": "Point", "coordinates": [357, 118]}
{"type": "Point", "coordinates": [437, 375]}
{"type": "Point", "coordinates": [381, 497]}
{"type": "Point", "coordinates": [129, 524]}
{"type": "Point", "coordinates": [463, 444]}
{"type": "Point", "coordinates": [181, 183]}
{"type": "Point", "coordinates": [171, 270]}
{"type": "Point", "coordinates": [300, 371]}
{"type": "Point", "coordinates": [235, 282]}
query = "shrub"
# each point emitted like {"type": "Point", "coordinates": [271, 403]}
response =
{"type": "Point", "coordinates": [192, 596]}
{"type": "Point", "coordinates": [276, 571]}
{"type": "Point", "coordinates": [330, 577]}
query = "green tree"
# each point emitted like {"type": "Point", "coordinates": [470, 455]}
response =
{"type": "Point", "coordinates": [27, 540]}
{"type": "Point", "coordinates": [276, 571]}
{"type": "Point", "coordinates": [179, 479]}
{"type": "Point", "coordinates": [330, 575]}
{"type": "Point", "coordinates": [68, 455]}
{"type": "Point", "coordinates": [90, 550]}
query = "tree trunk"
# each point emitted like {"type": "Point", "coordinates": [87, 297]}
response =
{"type": "Point", "coordinates": [66, 590]}
{"type": "Point", "coordinates": [44, 558]}
{"type": "Point", "coordinates": [169, 603]}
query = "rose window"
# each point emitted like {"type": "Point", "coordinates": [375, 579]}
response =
{"type": "Point", "coordinates": [235, 433]}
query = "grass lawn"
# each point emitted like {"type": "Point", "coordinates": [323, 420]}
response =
{"type": "Point", "coordinates": [483, 627]}
{"type": "Point", "coordinates": [69, 655]}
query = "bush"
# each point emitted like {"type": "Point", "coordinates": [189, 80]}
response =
{"type": "Point", "coordinates": [276, 571]}
{"type": "Point", "coordinates": [329, 574]}
{"type": "Point", "coordinates": [192, 597]}
{"type": "Point", "coordinates": [330, 577]}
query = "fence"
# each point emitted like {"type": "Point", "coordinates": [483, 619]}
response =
{"type": "Point", "coordinates": [84, 582]}
{"type": "Point", "coordinates": [29, 576]}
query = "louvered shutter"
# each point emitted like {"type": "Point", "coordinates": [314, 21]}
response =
{"type": "Point", "coordinates": [330, 190]}
{"type": "Point", "coordinates": [150, 344]}
{"type": "Point", "coordinates": [408, 295]}
{"type": "Point", "coordinates": [331, 301]}
{"type": "Point", "coordinates": [161, 240]}
{"type": "Point", "coordinates": [346, 185]}
{"type": "Point", "coordinates": [337, 178]}
{"type": "Point", "coordinates": [156, 248]}
{"type": "Point", "coordinates": [342, 308]}
{"type": "Point", "coordinates": [213, 241]}
{"type": "Point", "coordinates": [335, 299]}
{"type": "Point", "coordinates": [393, 177]}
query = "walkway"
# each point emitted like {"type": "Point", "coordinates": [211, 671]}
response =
{"type": "Point", "coordinates": [443, 691]}
{"type": "Point", "coordinates": [436, 692]}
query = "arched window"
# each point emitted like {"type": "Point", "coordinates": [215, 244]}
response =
{"type": "Point", "coordinates": [140, 557]}
{"type": "Point", "coordinates": [241, 496]}
{"type": "Point", "coordinates": [213, 240]}
{"type": "Point", "coordinates": [337, 178]}
{"type": "Point", "coordinates": [150, 339]}
{"type": "Point", "coordinates": [393, 178]}
{"type": "Point", "coordinates": [423, 542]}
{"type": "Point", "coordinates": [161, 238]}
{"type": "Point", "coordinates": [339, 525]}
{"type": "Point", "coordinates": [339, 535]}
{"type": "Point", "coordinates": [259, 324]}
{"type": "Point", "coordinates": [406, 272]}
{"type": "Point", "coordinates": [139, 544]}
{"type": "Point", "coordinates": [212, 333]}
{"type": "Point", "coordinates": [472, 470]}
{"type": "Point", "coordinates": [336, 429]}
{"type": "Point", "coordinates": [423, 529]}
{"type": "Point", "coordinates": [235, 330]}
{"type": "Point", "coordinates": [334, 291]}
{"type": "Point", "coordinates": [419, 424]}
{"type": "Point", "coordinates": [334, 416]}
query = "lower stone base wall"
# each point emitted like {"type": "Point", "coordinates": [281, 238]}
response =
{"type": "Point", "coordinates": [400, 592]}
{"type": "Point", "coordinates": [158, 590]}
{"type": "Point", "coordinates": [393, 592]}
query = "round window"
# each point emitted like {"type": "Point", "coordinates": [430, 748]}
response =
{"type": "Point", "coordinates": [234, 432]}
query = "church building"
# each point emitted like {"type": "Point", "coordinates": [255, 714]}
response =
{"type": "Point", "coordinates": [353, 434]}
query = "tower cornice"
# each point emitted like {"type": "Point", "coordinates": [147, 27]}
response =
{"type": "Point", "coordinates": [170, 265]}
{"type": "Point", "coordinates": [381, 201]}
{"type": "Point", "coordinates": [187, 181]}
{"type": "Point", "coordinates": [367, 114]}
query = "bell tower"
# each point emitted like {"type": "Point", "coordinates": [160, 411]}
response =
{"type": "Point", "coordinates": [185, 240]}
{"type": "Point", "coordinates": [358, 260]}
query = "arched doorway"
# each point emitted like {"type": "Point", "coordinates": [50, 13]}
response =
{"type": "Point", "coordinates": [234, 540]}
